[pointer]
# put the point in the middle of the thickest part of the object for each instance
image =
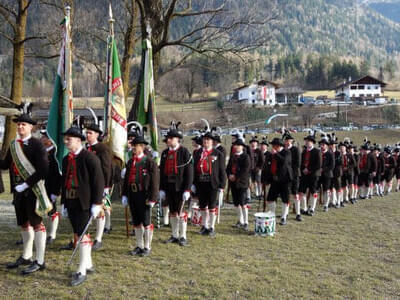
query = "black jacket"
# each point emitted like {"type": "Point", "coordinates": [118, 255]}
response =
{"type": "Point", "coordinates": [348, 163]}
{"type": "Point", "coordinates": [242, 170]}
{"type": "Point", "coordinates": [36, 153]}
{"type": "Point", "coordinates": [53, 178]}
{"type": "Point", "coordinates": [218, 175]}
{"type": "Point", "coordinates": [151, 179]}
{"type": "Point", "coordinates": [90, 180]}
{"type": "Point", "coordinates": [328, 164]}
{"type": "Point", "coordinates": [184, 178]}
{"type": "Point", "coordinates": [295, 160]}
{"type": "Point", "coordinates": [370, 166]}
{"type": "Point", "coordinates": [222, 149]}
{"type": "Point", "coordinates": [103, 152]}
{"type": "Point", "coordinates": [258, 159]}
{"type": "Point", "coordinates": [314, 166]}
{"type": "Point", "coordinates": [284, 168]}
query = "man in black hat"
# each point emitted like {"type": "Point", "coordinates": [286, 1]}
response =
{"type": "Point", "coordinates": [27, 162]}
{"type": "Point", "coordinates": [257, 164]}
{"type": "Point", "coordinates": [295, 163]}
{"type": "Point", "coordinates": [367, 164]}
{"type": "Point", "coordinates": [310, 168]}
{"type": "Point", "coordinates": [176, 178]}
{"type": "Point", "coordinates": [52, 184]}
{"type": "Point", "coordinates": [390, 167]}
{"type": "Point", "coordinates": [140, 192]}
{"type": "Point", "coordinates": [81, 195]}
{"type": "Point", "coordinates": [217, 145]}
{"type": "Point", "coordinates": [347, 174]}
{"type": "Point", "coordinates": [238, 172]}
{"type": "Point", "coordinates": [328, 164]}
{"type": "Point", "coordinates": [354, 186]}
{"type": "Point", "coordinates": [380, 170]}
{"type": "Point", "coordinates": [337, 171]}
{"type": "Point", "coordinates": [209, 181]}
{"type": "Point", "coordinates": [396, 155]}
{"type": "Point", "coordinates": [102, 151]}
{"type": "Point", "coordinates": [280, 175]}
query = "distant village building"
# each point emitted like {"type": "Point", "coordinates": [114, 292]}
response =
{"type": "Point", "coordinates": [365, 88]}
{"type": "Point", "coordinates": [289, 95]}
{"type": "Point", "coordinates": [261, 93]}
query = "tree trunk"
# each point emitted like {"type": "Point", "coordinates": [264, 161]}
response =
{"type": "Point", "coordinates": [18, 72]}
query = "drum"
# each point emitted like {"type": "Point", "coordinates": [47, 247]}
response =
{"type": "Point", "coordinates": [196, 217]}
{"type": "Point", "coordinates": [264, 224]}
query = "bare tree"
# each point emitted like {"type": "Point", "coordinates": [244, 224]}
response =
{"type": "Point", "coordinates": [214, 27]}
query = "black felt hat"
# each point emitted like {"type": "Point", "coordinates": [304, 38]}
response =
{"type": "Point", "coordinates": [25, 118]}
{"type": "Point", "coordinates": [94, 127]}
{"type": "Point", "coordinates": [75, 132]}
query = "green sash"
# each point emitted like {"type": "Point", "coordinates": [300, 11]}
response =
{"type": "Point", "coordinates": [25, 169]}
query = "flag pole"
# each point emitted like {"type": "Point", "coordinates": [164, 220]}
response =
{"type": "Point", "coordinates": [107, 106]}
{"type": "Point", "coordinates": [68, 70]}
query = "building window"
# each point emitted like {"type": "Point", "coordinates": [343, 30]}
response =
{"type": "Point", "coordinates": [377, 87]}
{"type": "Point", "coordinates": [353, 87]}
{"type": "Point", "coordinates": [253, 92]}
{"type": "Point", "coordinates": [368, 87]}
{"type": "Point", "coordinates": [361, 87]}
{"type": "Point", "coordinates": [254, 101]}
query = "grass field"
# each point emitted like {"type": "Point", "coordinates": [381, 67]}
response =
{"type": "Point", "coordinates": [350, 253]}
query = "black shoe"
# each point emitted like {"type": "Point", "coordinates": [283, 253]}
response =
{"type": "Point", "coordinates": [331, 205]}
{"type": "Point", "coordinates": [145, 252]}
{"type": "Point", "coordinates": [77, 279]}
{"type": "Point", "coordinates": [245, 227]}
{"type": "Point", "coordinates": [49, 240]}
{"type": "Point", "coordinates": [311, 212]}
{"type": "Point", "coordinates": [97, 245]}
{"type": "Point", "coordinates": [107, 230]}
{"type": "Point", "coordinates": [352, 201]}
{"type": "Point", "coordinates": [283, 222]}
{"type": "Point", "coordinates": [136, 251]}
{"type": "Point", "coordinates": [20, 242]}
{"type": "Point", "coordinates": [34, 267]}
{"type": "Point", "coordinates": [369, 197]}
{"type": "Point", "coordinates": [203, 230]}
{"type": "Point", "coordinates": [19, 262]}
{"type": "Point", "coordinates": [211, 232]}
{"type": "Point", "coordinates": [303, 212]}
{"type": "Point", "coordinates": [237, 225]}
{"type": "Point", "coordinates": [337, 205]}
{"type": "Point", "coordinates": [69, 246]}
{"type": "Point", "coordinates": [172, 240]}
{"type": "Point", "coordinates": [325, 208]}
{"type": "Point", "coordinates": [183, 242]}
{"type": "Point", "coordinates": [132, 233]}
{"type": "Point", "coordinates": [298, 218]}
{"type": "Point", "coordinates": [362, 197]}
{"type": "Point", "coordinates": [342, 204]}
{"type": "Point", "coordinates": [90, 270]}
{"type": "Point", "coordinates": [345, 201]}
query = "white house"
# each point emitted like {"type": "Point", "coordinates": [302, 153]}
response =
{"type": "Point", "coordinates": [366, 87]}
{"type": "Point", "coordinates": [261, 93]}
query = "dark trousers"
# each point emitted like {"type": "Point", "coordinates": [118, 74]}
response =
{"type": "Point", "coordinates": [309, 182]}
{"type": "Point", "coordinates": [279, 189]}
{"type": "Point", "coordinates": [174, 199]}
{"type": "Point", "coordinates": [239, 195]}
{"type": "Point", "coordinates": [77, 216]}
{"type": "Point", "coordinates": [294, 185]}
{"type": "Point", "coordinates": [207, 195]}
{"type": "Point", "coordinates": [25, 204]}
{"type": "Point", "coordinates": [346, 179]}
{"type": "Point", "coordinates": [364, 179]}
{"type": "Point", "coordinates": [325, 181]}
{"type": "Point", "coordinates": [140, 211]}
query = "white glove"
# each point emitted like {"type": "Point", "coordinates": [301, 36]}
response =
{"type": "Point", "coordinates": [106, 191]}
{"type": "Point", "coordinates": [95, 210]}
{"type": "Point", "coordinates": [154, 154]}
{"type": "Point", "coordinates": [186, 196]}
{"type": "Point", "coordinates": [162, 195]}
{"type": "Point", "coordinates": [152, 204]}
{"type": "Point", "coordinates": [221, 190]}
{"type": "Point", "coordinates": [123, 172]}
{"type": "Point", "coordinates": [124, 201]}
{"type": "Point", "coordinates": [193, 189]}
{"type": "Point", "coordinates": [21, 187]}
{"type": "Point", "coordinates": [64, 211]}
{"type": "Point", "coordinates": [53, 198]}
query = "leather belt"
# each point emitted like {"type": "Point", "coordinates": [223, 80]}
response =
{"type": "Point", "coordinates": [70, 194]}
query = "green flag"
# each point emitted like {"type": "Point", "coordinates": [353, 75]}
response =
{"type": "Point", "coordinates": [146, 113]}
{"type": "Point", "coordinates": [60, 113]}
{"type": "Point", "coordinates": [115, 112]}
